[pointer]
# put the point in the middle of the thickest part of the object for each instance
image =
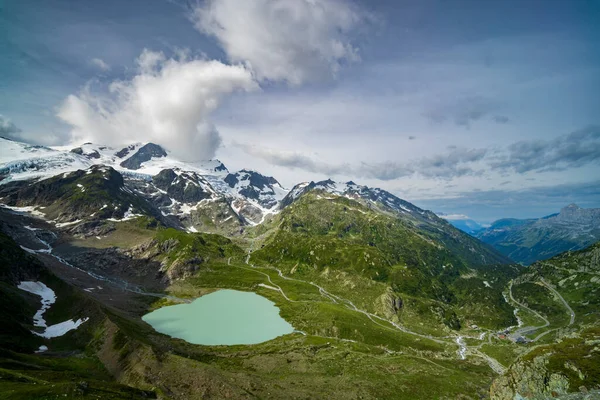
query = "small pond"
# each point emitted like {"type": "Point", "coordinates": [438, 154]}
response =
{"type": "Point", "coordinates": [224, 317]}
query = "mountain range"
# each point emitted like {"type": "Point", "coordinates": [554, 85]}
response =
{"type": "Point", "coordinates": [462, 222]}
{"type": "Point", "coordinates": [529, 240]}
{"type": "Point", "coordinates": [387, 300]}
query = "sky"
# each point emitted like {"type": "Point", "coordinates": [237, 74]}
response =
{"type": "Point", "coordinates": [488, 109]}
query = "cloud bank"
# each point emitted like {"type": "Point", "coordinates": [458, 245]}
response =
{"type": "Point", "coordinates": [294, 41]}
{"type": "Point", "coordinates": [568, 151]}
{"type": "Point", "coordinates": [465, 111]}
{"type": "Point", "coordinates": [8, 129]}
{"type": "Point", "coordinates": [454, 163]}
{"type": "Point", "coordinates": [577, 149]}
{"type": "Point", "coordinates": [490, 205]}
{"type": "Point", "coordinates": [170, 101]}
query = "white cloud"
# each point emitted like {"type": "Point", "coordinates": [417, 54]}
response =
{"type": "Point", "coordinates": [451, 164]}
{"type": "Point", "coordinates": [454, 217]}
{"type": "Point", "coordinates": [100, 64]}
{"type": "Point", "coordinates": [168, 102]}
{"type": "Point", "coordinates": [283, 40]}
{"type": "Point", "coordinates": [8, 128]}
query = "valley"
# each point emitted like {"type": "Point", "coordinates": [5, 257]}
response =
{"type": "Point", "coordinates": [383, 299]}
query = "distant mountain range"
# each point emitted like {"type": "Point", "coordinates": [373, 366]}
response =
{"type": "Point", "coordinates": [529, 240]}
{"type": "Point", "coordinates": [462, 222]}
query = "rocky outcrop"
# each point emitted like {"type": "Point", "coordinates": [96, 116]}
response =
{"type": "Point", "coordinates": [184, 187]}
{"type": "Point", "coordinates": [559, 370]}
{"type": "Point", "coordinates": [255, 186]}
{"type": "Point", "coordinates": [145, 153]}
{"type": "Point", "coordinates": [529, 381]}
{"type": "Point", "coordinates": [390, 303]}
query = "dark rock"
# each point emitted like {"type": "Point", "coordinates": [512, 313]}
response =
{"type": "Point", "coordinates": [397, 303]}
{"type": "Point", "coordinates": [82, 387]}
{"type": "Point", "coordinates": [93, 154]}
{"type": "Point", "coordinates": [184, 187]}
{"type": "Point", "coordinates": [77, 150]}
{"type": "Point", "coordinates": [124, 151]}
{"type": "Point", "coordinates": [145, 153]}
{"type": "Point", "coordinates": [164, 178]}
{"type": "Point", "coordinates": [220, 167]}
{"type": "Point", "coordinates": [231, 180]}
{"type": "Point", "coordinates": [169, 244]}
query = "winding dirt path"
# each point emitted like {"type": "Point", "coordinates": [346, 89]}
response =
{"type": "Point", "coordinates": [567, 306]}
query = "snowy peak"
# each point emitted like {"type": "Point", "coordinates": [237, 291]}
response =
{"type": "Point", "coordinates": [376, 196]}
{"type": "Point", "coordinates": [185, 187]}
{"type": "Point", "coordinates": [265, 190]}
{"type": "Point", "coordinates": [11, 151]}
{"type": "Point", "coordinates": [145, 153]}
{"type": "Point", "coordinates": [22, 161]}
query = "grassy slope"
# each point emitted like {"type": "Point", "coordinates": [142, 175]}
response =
{"type": "Point", "coordinates": [526, 242]}
{"type": "Point", "coordinates": [294, 366]}
{"type": "Point", "coordinates": [569, 351]}
{"type": "Point", "coordinates": [312, 366]}
{"type": "Point", "coordinates": [69, 370]}
{"type": "Point", "coordinates": [97, 193]}
{"type": "Point", "coordinates": [318, 237]}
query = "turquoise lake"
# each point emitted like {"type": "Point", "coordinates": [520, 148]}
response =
{"type": "Point", "coordinates": [224, 317]}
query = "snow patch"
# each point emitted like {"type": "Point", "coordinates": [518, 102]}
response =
{"type": "Point", "coordinates": [29, 210]}
{"type": "Point", "coordinates": [60, 329]}
{"type": "Point", "coordinates": [42, 349]}
{"type": "Point", "coordinates": [63, 224]}
{"type": "Point", "coordinates": [47, 295]}
{"type": "Point", "coordinates": [129, 214]}
{"type": "Point", "coordinates": [48, 298]}
{"type": "Point", "coordinates": [462, 348]}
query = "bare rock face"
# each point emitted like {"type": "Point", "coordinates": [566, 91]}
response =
{"type": "Point", "coordinates": [145, 153]}
{"type": "Point", "coordinates": [529, 381]}
{"type": "Point", "coordinates": [390, 303]}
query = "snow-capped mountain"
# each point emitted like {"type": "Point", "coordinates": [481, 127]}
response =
{"type": "Point", "coordinates": [197, 193]}
{"type": "Point", "coordinates": [375, 197]}
{"type": "Point", "coordinates": [21, 161]}
{"type": "Point", "coordinates": [381, 201]}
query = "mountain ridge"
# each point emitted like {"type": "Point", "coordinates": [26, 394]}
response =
{"type": "Point", "coordinates": [530, 240]}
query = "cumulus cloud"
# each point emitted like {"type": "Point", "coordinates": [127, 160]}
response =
{"type": "Point", "coordinates": [456, 162]}
{"type": "Point", "coordinates": [169, 102]}
{"type": "Point", "coordinates": [294, 41]}
{"type": "Point", "coordinates": [100, 64]}
{"type": "Point", "coordinates": [568, 151]}
{"type": "Point", "coordinates": [8, 129]}
{"type": "Point", "coordinates": [454, 217]}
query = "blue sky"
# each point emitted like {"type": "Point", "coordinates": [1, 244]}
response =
{"type": "Point", "coordinates": [489, 109]}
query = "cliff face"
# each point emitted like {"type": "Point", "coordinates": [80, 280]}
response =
{"type": "Point", "coordinates": [559, 370]}
{"type": "Point", "coordinates": [529, 380]}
